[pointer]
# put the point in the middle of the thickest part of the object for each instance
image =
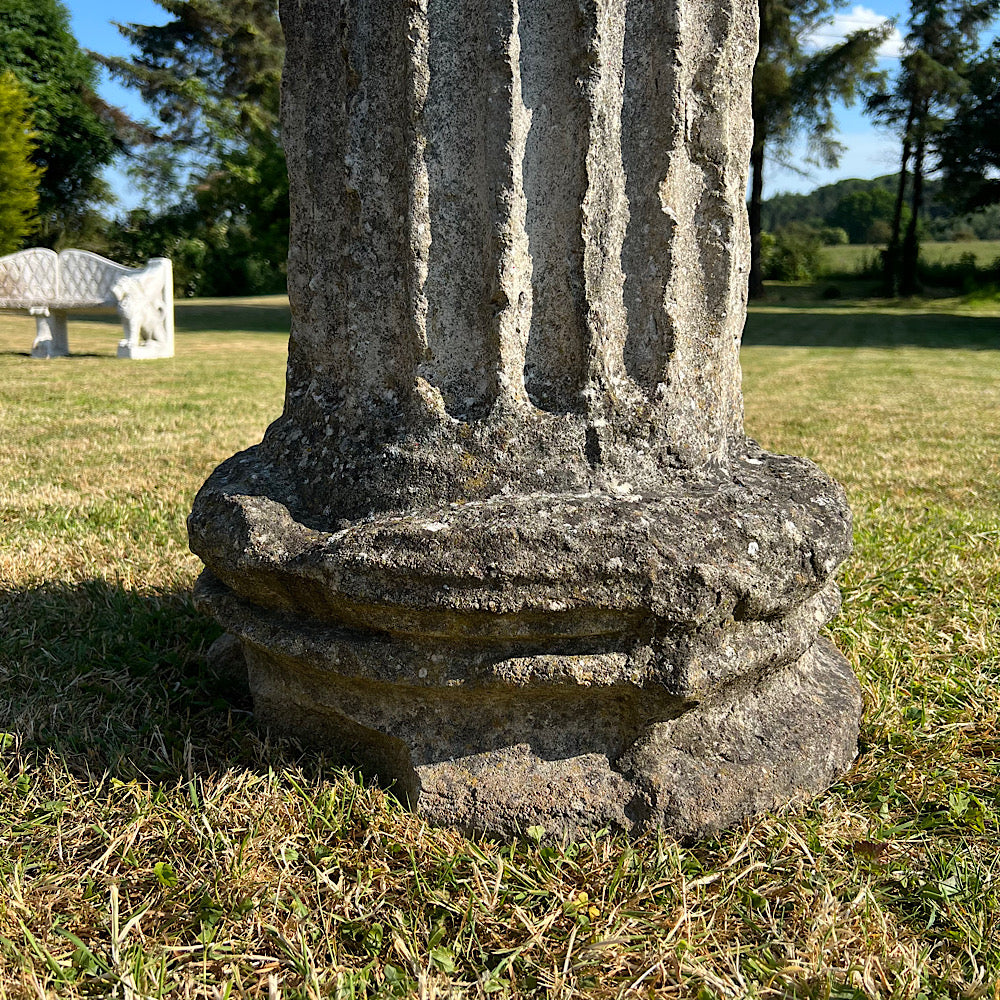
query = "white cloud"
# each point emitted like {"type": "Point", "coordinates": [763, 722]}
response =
{"type": "Point", "coordinates": [855, 19]}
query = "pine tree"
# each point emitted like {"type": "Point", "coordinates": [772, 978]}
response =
{"type": "Point", "coordinates": [19, 177]}
{"type": "Point", "coordinates": [212, 74]}
{"type": "Point", "coordinates": [794, 91]}
{"type": "Point", "coordinates": [941, 42]}
{"type": "Point", "coordinates": [972, 137]}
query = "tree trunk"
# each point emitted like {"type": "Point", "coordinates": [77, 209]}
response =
{"type": "Point", "coordinates": [756, 194]}
{"type": "Point", "coordinates": [911, 244]}
{"type": "Point", "coordinates": [890, 271]}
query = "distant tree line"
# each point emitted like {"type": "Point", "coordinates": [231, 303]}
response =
{"type": "Point", "coordinates": [863, 210]}
{"type": "Point", "coordinates": [796, 226]}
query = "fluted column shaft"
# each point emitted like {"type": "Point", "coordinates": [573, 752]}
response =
{"type": "Point", "coordinates": [508, 541]}
{"type": "Point", "coordinates": [505, 210]}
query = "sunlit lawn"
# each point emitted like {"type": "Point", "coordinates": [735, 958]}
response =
{"type": "Point", "coordinates": [852, 258]}
{"type": "Point", "coordinates": [154, 842]}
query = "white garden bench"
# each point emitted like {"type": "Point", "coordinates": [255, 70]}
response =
{"type": "Point", "coordinates": [48, 285]}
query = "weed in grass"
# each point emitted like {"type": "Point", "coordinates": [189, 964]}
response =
{"type": "Point", "coordinates": [155, 843]}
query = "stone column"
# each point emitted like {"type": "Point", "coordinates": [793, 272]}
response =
{"type": "Point", "coordinates": [508, 542]}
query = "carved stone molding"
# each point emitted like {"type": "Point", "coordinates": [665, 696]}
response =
{"type": "Point", "coordinates": [507, 541]}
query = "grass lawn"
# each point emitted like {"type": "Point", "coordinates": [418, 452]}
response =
{"type": "Point", "coordinates": [851, 258]}
{"type": "Point", "coordinates": [155, 843]}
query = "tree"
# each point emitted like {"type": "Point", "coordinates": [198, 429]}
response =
{"type": "Point", "coordinates": [863, 214]}
{"type": "Point", "coordinates": [247, 201]}
{"type": "Point", "coordinates": [19, 177]}
{"type": "Point", "coordinates": [972, 137]}
{"type": "Point", "coordinates": [942, 40]}
{"type": "Point", "coordinates": [77, 132]}
{"type": "Point", "coordinates": [794, 91]}
{"type": "Point", "coordinates": [212, 76]}
{"type": "Point", "coordinates": [792, 253]}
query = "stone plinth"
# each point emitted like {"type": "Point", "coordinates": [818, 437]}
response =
{"type": "Point", "coordinates": [507, 541]}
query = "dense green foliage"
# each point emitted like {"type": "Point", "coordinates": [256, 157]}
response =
{"type": "Point", "coordinates": [793, 254]}
{"type": "Point", "coordinates": [77, 132]}
{"type": "Point", "coordinates": [795, 89]}
{"type": "Point", "coordinates": [814, 207]}
{"type": "Point", "coordinates": [228, 236]}
{"type": "Point", "coordinates": [19, 176]}
{"type": "Point", "coordinates": [972, 137]}
{"type": "Point", "coordinates": [864, 215]}
{"type": "Point", "coordinates": [940, 45]}
{"type": "Point", "coordinates": [217, 181]}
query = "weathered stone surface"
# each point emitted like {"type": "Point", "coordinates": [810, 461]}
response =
{"type": "Point", "coordinates": [500, 748]}
{"type": "Point", "coordinates": [507, 539]}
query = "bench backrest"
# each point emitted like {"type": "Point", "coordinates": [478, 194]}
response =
{"type": "Point", "coordinates": [88, 278]}
{"type": "Point", "coordinates": [29, 278]}
{"type": "Point", "coordinates": [40, 277]}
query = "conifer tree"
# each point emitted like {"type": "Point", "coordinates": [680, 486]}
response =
{"type": "Point", "coordinates": [19, 176]}
{"type": "Point", "coordinates": [941, 42]}
{"type": "Point", "coordinates": [972, 137]}
{"type": "Point", "coordinates": [795, 89]}
{"type": "Point", "coordinates": [212, 76]}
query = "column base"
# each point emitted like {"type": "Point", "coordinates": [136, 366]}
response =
{"type": "Point", "coordinates": [572, 760]}
{"type": "Point", "coordinates": [573, 661]}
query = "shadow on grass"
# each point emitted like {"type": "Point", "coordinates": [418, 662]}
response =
{"type": "Point", "coordinates": [72, 355]}
{"type": "Point", "coordinates": [810, 324]}
{"type": "Point", "coordinates": [222, 317]}
{"type": "Point", "coordinates": [116, 682]}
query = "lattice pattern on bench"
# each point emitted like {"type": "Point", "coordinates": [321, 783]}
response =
{"type": "Point", "coordinates": [29, 278]}
{"type": "Point", "coordinates": [85, 278]}
{"type": "Point", "coordinates": [49, 284]}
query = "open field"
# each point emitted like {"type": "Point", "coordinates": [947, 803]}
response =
{"type": "Point", "coordinates": [849, 259]}
{"type": "Point", "coordinates": [155, 843]}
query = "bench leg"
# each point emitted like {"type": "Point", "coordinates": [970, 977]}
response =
{"type": "Point", "coordinates": [51, 335]}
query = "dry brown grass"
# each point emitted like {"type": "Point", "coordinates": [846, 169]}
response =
{"type": "Point", "coordinates": [155, 843]}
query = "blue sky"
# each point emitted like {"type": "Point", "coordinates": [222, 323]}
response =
{"type": "Point", "coordinates": [869, 153]}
